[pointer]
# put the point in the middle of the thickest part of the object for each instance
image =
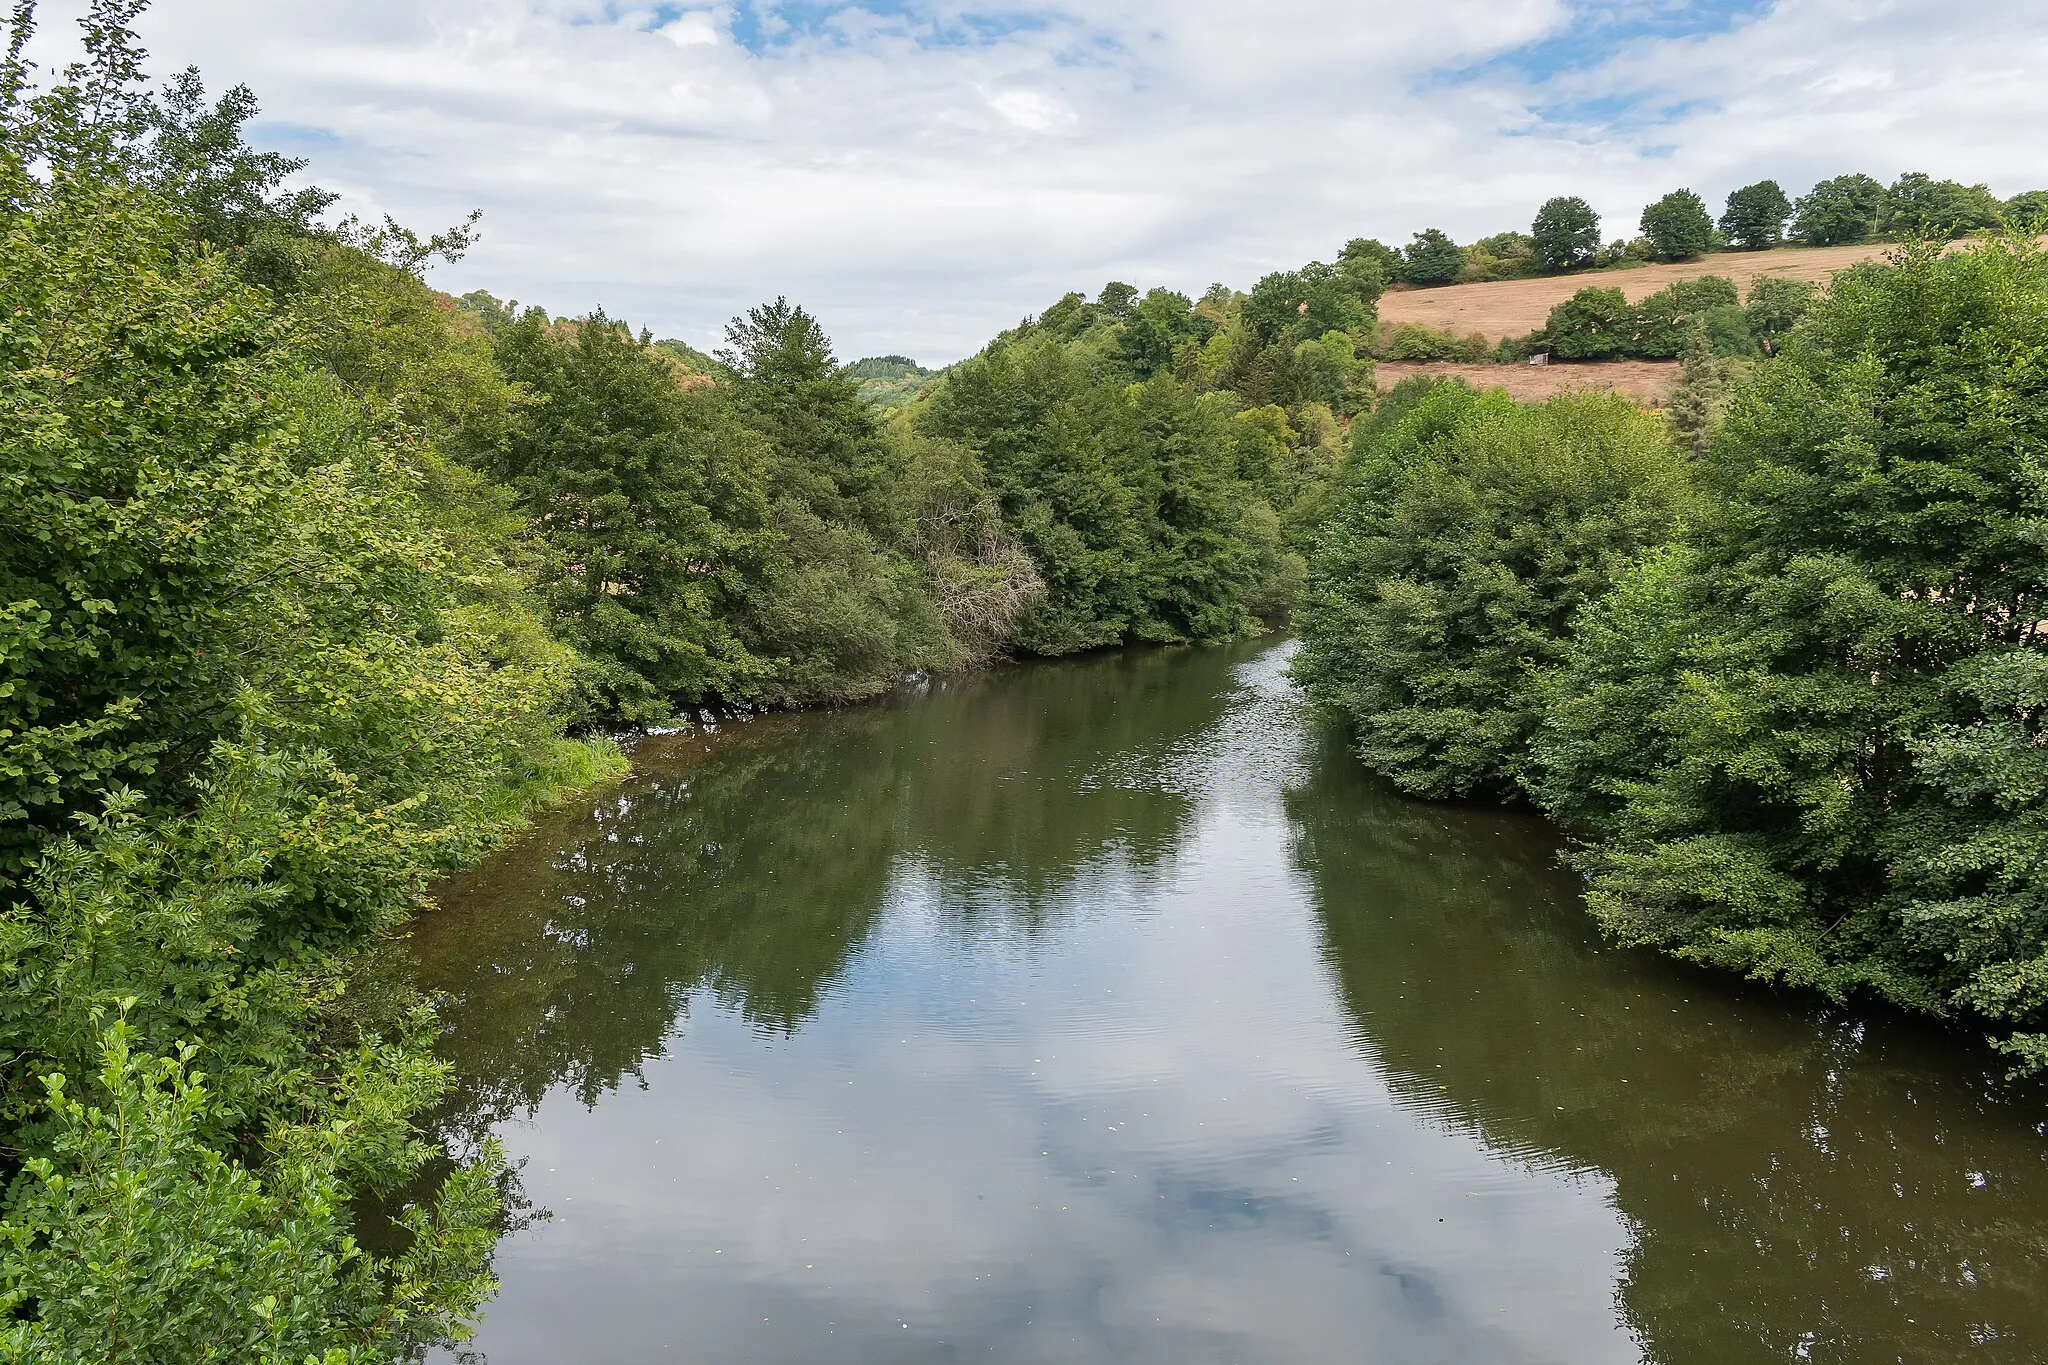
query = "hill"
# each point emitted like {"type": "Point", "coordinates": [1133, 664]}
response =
{"type": "Point", "coordinates": [889, 382]}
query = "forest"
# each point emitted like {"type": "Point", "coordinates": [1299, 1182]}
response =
{"type": "Point", "coordinates": [316, 581]}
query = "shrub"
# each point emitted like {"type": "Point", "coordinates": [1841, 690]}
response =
{"type": "Point", "coordinates": [1413, 341]}
{"type": "Point", "coordinates": [1593, 324]}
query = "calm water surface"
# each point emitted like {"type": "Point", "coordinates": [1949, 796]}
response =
{"type": "Point", "coordinates": [1103, 1011]}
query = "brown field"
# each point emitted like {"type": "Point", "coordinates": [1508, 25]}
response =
{"type": "Point", "coordinates": [1646, 381]}
{"type": "Point", "coordinates": [1505, 308]}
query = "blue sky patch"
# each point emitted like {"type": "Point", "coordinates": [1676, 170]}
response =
{"type": "Point", "coordinates": [1599, 29]}
{"type": "Point", "coordinates": [762, 26]}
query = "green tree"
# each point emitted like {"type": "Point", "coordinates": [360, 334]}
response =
{"type": "Point", "coordinates": [1678, 227]}
{"type": "Point", "coordinates": [1809, 741]}
{"type": "Point", "coordinates": [828, 449]}
{"type": "Point", "coordinates": [265, 667]}
{"type": "Point", "coordinates": [652, 504]}
{"type": "Point", "coordinates": [1368, 259]}
{"type": "Point", "coordinates": [1117, 299]}
{"type": "Point", "coordinates": [1565, 234]}
{"type": "Point", "coordinates": [1667, 318]}
{"type": "Point", "coordinates": [1432, 258]}
{"type": "Point", "coordinates": [1756, 216]}
{"type": "Point", "coordinates": [2028, 209]}
{"type": "Point", "coordinates": [1157, 328]}
{"type": "Point", "coordinates": [1293, 306]}
{"type": "Point", "coordinates": [1838, 211]}
{"type": "Point", "coordinates": [1450, 562]}
{"type": "Point", "coordinates": [1774, 308]}
{"type": "Point", "coordinates": [1126, 496]}
{"type": "Point", "coordinates": [1593, 324]}
{"type": "Point", "coordinates": [1696, 398]}
{"type": "Point", "coordinates": [1919, 205]}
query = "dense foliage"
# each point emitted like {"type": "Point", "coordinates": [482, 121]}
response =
{"type": "Point", "coordinates": [1794, 706]}
{"type": "Point", "coordinates": [1838, 211]}
{"type": "Point", "coordinates": [1919, 205]}
{"type": "Point", "coordinates": [1463, 535]}
{"type": "Point", "coordinates": [1677, 227]}
{"type": "Point", "coordinates": [1809, 737]}
{"type": "Point", "coordinates": [1600, 323]}
{"type": "Point", "coordinates": [1432, 258]}
{"type": "Point", "coordinates": [1756, 214]}
{"type": "Point", "coordinates": [265, 665]}
{"type": "Point", "coordinates": [1566, 233]}
{"type": "Point", "coordinates": [308, 573]}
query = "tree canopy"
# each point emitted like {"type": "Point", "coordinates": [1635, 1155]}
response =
{"type": "Point", "coordinates": [1756, 214]}
{"type": "Point", "coordinates": [1677, 227]}
{"type": "Point", "coordinates": [1461, 539]}
{"type": "Point", "coordinates": [1566, 233]}
{"type": "Point", "coordinates": [1432, 258]}
{"type": "Point", "coordinates": [1838, 211]}
{"type": "Point", "coordinates": [1807, 736]}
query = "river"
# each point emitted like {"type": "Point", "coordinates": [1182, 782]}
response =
{"type": "Point", "coordinates": [1104, 1010]}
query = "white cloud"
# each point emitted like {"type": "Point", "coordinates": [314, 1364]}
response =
{"type": "Point", "coordinates": [920, 178]}
{"type": "Point", "coordinates": [692, 29]}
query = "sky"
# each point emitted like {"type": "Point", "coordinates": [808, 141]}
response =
{"type": "Point", "coordinates": [922, 173]}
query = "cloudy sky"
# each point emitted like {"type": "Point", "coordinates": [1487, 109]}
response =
{"type": "Point", "coordinates": [923, 172]}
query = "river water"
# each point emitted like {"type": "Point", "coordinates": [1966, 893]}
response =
{"type": "Point", "coordinates": [1104, 1011]}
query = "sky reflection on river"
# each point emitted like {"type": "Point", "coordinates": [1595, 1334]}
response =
{"type": "Point", "coordinates": [1099, 1012]}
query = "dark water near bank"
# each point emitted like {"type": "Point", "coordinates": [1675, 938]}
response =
{"type": "Point", "coordinates": [1104, 1012]}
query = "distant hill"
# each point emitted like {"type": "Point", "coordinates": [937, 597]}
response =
{"type": "Point", "coordinates": [695, 360]}
{"type": "Point", "coordinates": [889, 382]}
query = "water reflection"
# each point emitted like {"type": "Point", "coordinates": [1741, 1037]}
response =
{"type": "Point", "coordinates": [1799, 1183]}
{"type": "Point", "coordinates": [1097, 1012]}
{"type": "Point", "coordinates": [751, 865]}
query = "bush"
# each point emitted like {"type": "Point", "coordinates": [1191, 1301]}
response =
{"type": "Point", "coordinates": [1593, 324]}
{"type": "Point", "coordinates": [1413, 341]}
{"type": "Point", "coordinates": [1467, 530]}
{"type": "Point", "coordinates": [135, 1240]}
{"type": "Point", "coordinates": [1678, 227]}
{"type": "Point", "coordinates": [1665, 318]}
